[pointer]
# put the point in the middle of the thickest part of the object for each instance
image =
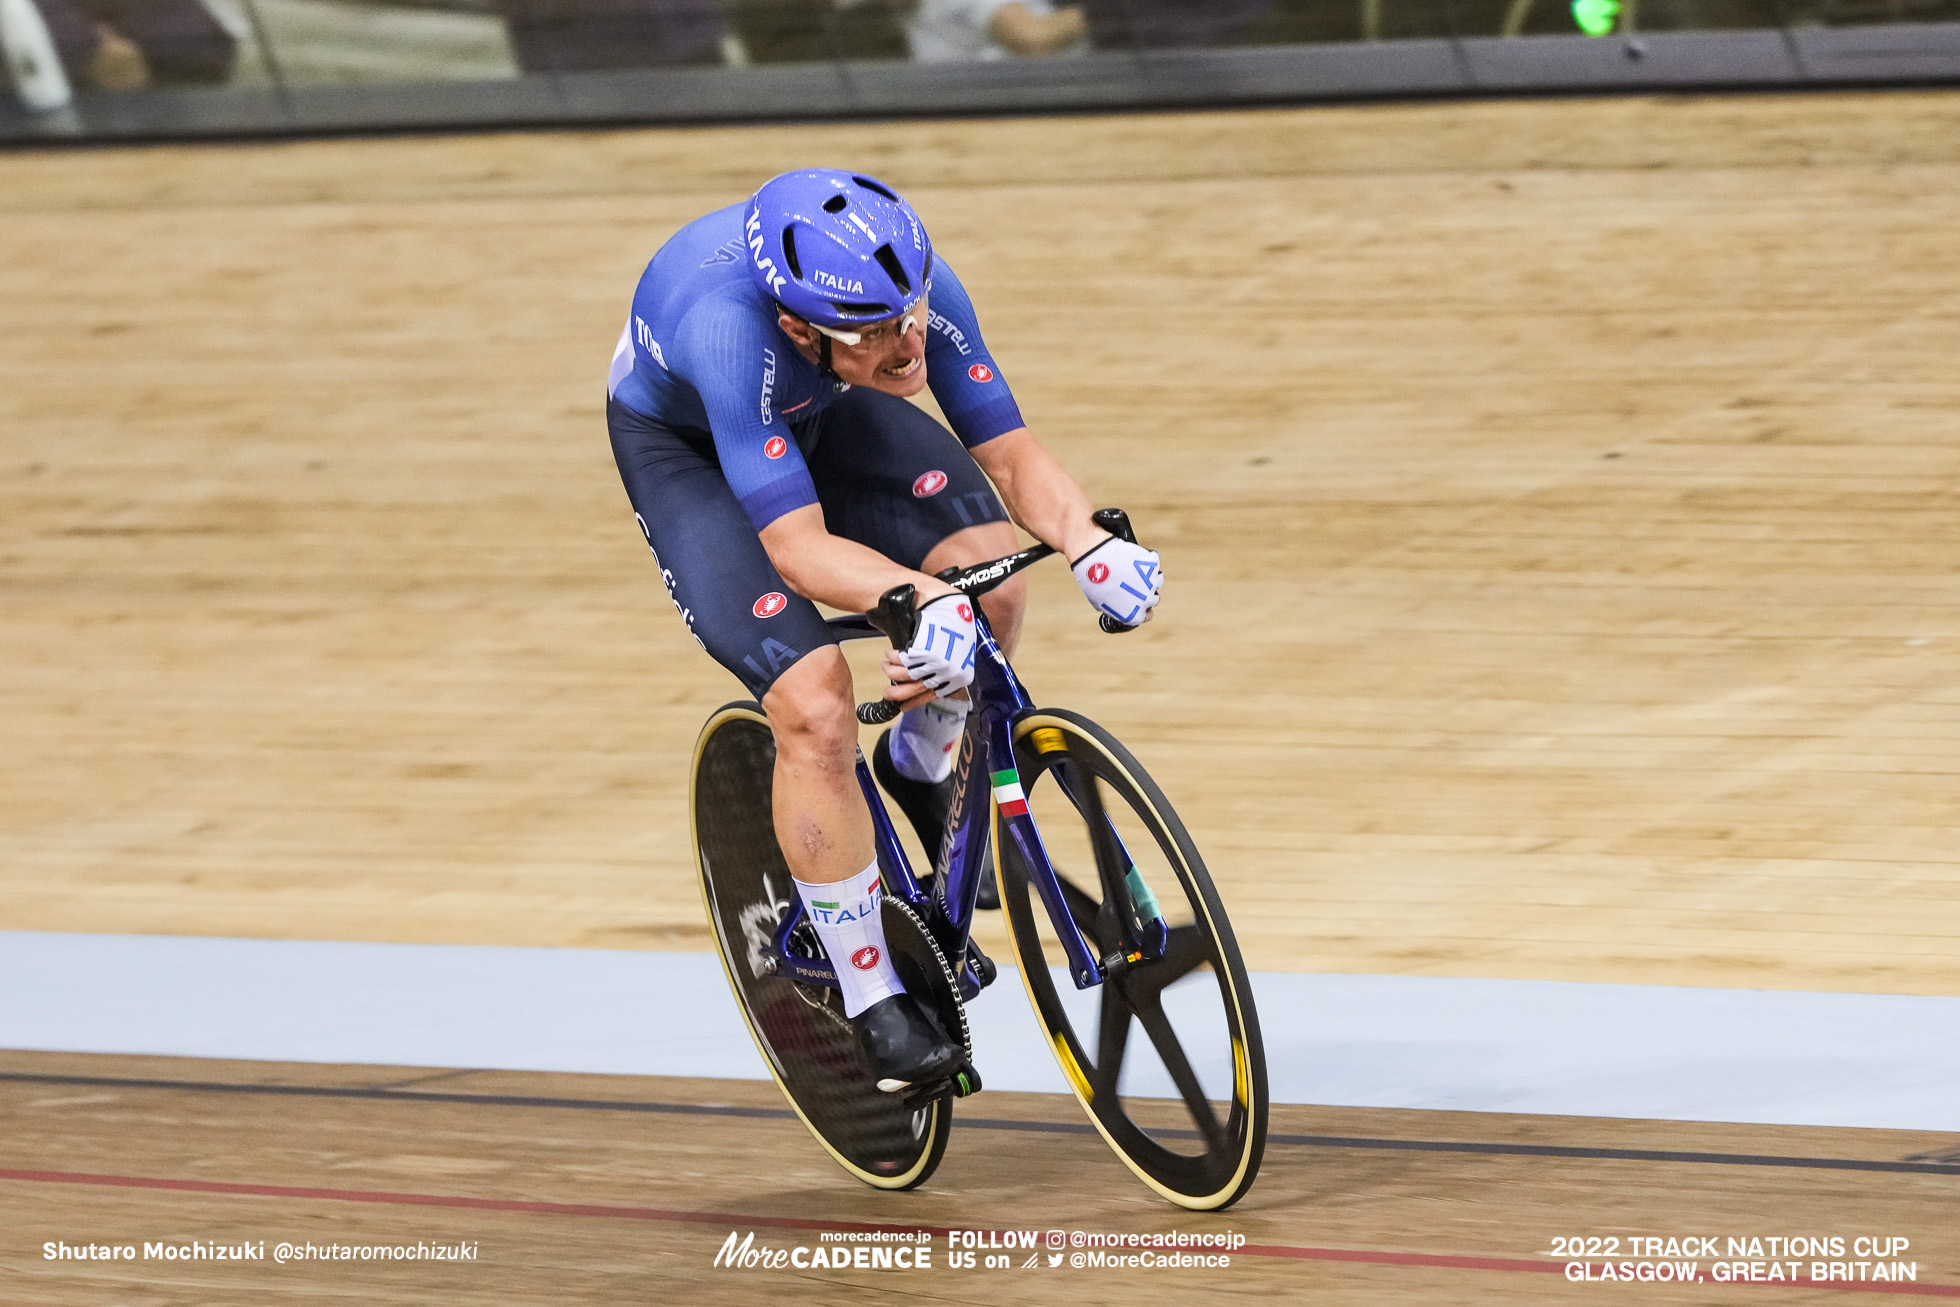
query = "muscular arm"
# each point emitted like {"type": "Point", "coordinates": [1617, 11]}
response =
{"type": "Point", "coordinates": [833, 570]}
{"type": "Point", "coordinates": [1040, 494]}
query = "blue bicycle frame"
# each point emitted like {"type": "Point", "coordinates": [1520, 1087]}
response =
{"type": "Point", "coordinates": [984, 779]}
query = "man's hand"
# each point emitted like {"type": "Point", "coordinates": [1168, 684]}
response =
{"type": "Point", "coordinates": [1121, 579]}
{"type": "Point", "coordinates": [940, 658]}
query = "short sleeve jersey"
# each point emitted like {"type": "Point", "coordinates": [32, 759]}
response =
{"type": "Point", "coordinates": [703, 351]}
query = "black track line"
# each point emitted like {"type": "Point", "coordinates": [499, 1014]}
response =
{"type": "Point", "coordinates": [985, 1123]}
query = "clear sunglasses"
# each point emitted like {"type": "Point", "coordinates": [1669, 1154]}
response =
{"type": "Point", "coordinates": [876, 336]}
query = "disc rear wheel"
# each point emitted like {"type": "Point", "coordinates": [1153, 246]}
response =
{"type": "Point", "coordinates": [800, 1029]}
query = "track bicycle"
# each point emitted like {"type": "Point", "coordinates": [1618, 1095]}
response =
{"type": "Point", "coordinates": [1116, 929]}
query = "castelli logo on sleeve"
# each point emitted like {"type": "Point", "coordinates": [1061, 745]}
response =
{"type": "Point", "coordinates": [770, 604]}
{"type": "Point", "coordinates": [928, 485]}
{"type": "Point", "coordinates": [1098, 572]}
{"type": "Point", "coordinates": [966, 612]}
{"type": "Point", "coordinates": [775, 447]}
{"type": "Point", "coordinates": [980, 372]}
{"type": "Point", "coordinates": [866, 958]}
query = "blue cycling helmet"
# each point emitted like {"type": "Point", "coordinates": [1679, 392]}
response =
{"type": "Point", "coordinates": [836, 248]}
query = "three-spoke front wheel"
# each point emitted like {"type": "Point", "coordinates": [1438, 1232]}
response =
{"type": "Point", "coordinates": [1165, 1053]}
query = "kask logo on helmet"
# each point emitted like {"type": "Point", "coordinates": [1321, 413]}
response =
{"type": "Point", "coordinates": [928, 485]}
{"type": "Point", "coordinates": [866, 958]}
{"type": "Point", "coordinates": [765, 267]}
{"type": "Point", "coordinates": [980, 372]}
{"type": "Point", "coordinates": [775, 447]}
{"type": "Point", "coordinates": [770, 604]}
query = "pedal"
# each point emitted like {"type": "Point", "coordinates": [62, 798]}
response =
{"type": "Point", "coordinates": [963, 1083]}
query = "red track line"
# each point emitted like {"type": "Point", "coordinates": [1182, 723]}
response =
{"type": "Point", "coordinates": [734, 1220]}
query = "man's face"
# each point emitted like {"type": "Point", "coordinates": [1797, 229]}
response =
{"type": "Point", "coordinates": [889, 356]}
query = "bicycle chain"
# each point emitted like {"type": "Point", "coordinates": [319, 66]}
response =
{"type": "Point", "coordinates": [966, 1033]}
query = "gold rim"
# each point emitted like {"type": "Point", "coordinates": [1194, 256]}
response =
{"type": "Point", "coordinates": [934, 1123]}
{"type": "Point", "coordinates": [1078, 1084]}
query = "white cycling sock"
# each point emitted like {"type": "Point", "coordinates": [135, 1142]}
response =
{"type": "Point", "coordinates": [925, 738]}
{"type": "Point", "coordinates": [849, 921]}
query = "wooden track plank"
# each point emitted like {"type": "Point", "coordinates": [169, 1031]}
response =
{"type": "Point", "coordinates": [1501, 1206]}
{"type": "Point", "coordinates": [1558, 498]}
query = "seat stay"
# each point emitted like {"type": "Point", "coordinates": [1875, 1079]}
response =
{"type": "Point", "coordinates": [794, 966]}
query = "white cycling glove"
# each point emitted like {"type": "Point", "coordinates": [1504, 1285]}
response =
{"type": "Point", "coordinates": [1121, 579]}
{"type": "Point", "coordinates": [940, 656]}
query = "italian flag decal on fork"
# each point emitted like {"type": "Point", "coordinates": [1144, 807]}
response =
{"type": "Point", "coordinates": [1007, 793]}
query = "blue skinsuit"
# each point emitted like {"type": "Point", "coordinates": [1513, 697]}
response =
{"type": "Point", "coordinates": [720, 427]}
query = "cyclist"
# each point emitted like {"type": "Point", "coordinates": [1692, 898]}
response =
{"type": "Point", "coordinates": [758, 414]}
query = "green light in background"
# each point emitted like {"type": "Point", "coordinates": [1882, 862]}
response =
{"type": "Point", "coordinates": [1596, 17]}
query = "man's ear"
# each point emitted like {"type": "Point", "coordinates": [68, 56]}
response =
{"type": "Point", "coordinates": [797, 330]}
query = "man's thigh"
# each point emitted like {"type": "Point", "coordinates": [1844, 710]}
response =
{"type": "Point", "coordinates": [891, 477]}
{"type": "Point", "coordinates": [733, 600]}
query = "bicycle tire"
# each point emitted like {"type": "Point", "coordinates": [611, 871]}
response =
{"type": "Point", "coordinates": [1052, 742]}
{"type": "Point", "coordinates": [801, 1031]}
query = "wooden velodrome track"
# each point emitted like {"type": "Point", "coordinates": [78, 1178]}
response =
{"type": "Point", "coordinates": [1559, 500]}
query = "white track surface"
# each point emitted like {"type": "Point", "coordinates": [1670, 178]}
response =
{"type": "Point", "coordinates": [1378, 1041]}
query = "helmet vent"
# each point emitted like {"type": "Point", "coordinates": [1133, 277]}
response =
{"type": "Point", "coordinates": [835, 204]}
{"type": "Point", "coordinates": [870, 185]}
{"type": "Point", "coordinates": [862, 310]}
{"type": "Point", "coordinates": [789, 253]}
{"type": "Point", "coordinates": [893, 269]}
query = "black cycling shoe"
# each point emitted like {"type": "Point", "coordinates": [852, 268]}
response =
{"type": "Point", "coordinates": [904, 1045]}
